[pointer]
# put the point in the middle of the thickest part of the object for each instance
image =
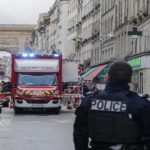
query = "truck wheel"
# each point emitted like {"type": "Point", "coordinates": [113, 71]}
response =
{"type": "Point", "coordinates": [17, 110]}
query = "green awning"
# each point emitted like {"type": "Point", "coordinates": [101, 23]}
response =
{"type": "Point", "coordinates": [88, 72]}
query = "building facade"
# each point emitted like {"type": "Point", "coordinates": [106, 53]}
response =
{"type": "Point", "coordinates": [101, 31]}
{"type": "Point", "coordinates": [72, 28]}
{"type": "Point", "coordinates": [15, 38]}
{"type": "Point", "coordinates": [96, 30]}
{"type": "Point", "coordinates": [51, 31]}
{"type": "Point", "coordinates": [87, 22]}
{"type": "Point", "coordinates": [134, 17]}
{"type": "Point", "coordinates": [62, 27]}
{"type": "Point", "coordinates": [107, 30]}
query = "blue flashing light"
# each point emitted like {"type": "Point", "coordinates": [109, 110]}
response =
{"type": "Point", "coordinates": [31, 55]}
{"type": "Point", "coordinates": [56, 55]}
{"type": "Point", "coordinates": [24, 54]}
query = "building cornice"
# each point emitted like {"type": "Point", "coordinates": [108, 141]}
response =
{"type": "Point", "coordinates": [122, 25]}
{"type": "Point", "coordinates": [16, 28]}
{"type": "Point", "coordinates": [138, 55]}
{"type": "Point", "coordinates": [106, 12]}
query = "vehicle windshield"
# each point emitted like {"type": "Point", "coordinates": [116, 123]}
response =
{"type": "Point", "coordinates": [37, 80]}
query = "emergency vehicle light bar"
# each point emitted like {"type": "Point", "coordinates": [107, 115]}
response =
{"type": "Point", "coordinates": [28, 55]}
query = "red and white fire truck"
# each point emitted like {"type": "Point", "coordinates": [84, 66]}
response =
{"type": "Point", "coordinates": [36, 82]}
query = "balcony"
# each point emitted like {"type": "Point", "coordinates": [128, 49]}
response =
{"type": "Point", "coordinates": [97, 7]}
{"type": "Point", "coordinates": [95, 36]}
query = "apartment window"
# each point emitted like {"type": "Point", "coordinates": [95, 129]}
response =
{"type": "Point", "coordinates": [112, 3]}
{"type": "Point", "coordinates": [116, 17]}
{"type": "Point", "coordinates": [134, 8]}
{"type": "Point", "coordinates": [105, 54]}
{"type": "Point", "coordinates": [109, 4]}
{"type": "Point", "coordinates": [111, 24]}
{"type": "Point", "coordinates": [145, 3]}
{"type": "Point", "coordinates": [97, 53]}
{"type": "Point", "coordinates": [102, 55]}
{"type": "Point", "coordinates": [104, 6]}
{"type": "Point", "coordinates": [112, 54]}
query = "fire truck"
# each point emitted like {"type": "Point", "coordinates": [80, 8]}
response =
{"type": "Point", "coordinates": [36, 82]}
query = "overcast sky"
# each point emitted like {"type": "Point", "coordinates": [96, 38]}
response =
{"type": "Point", "coordinates": [23, 11]}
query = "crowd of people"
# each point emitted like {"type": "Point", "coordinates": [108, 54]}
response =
{"type": "Point", "coordinates": [5, 87]}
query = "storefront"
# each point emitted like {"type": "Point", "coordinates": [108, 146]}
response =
{"type": "Point", "coordinates": [141, 74]}
{"type": "Point", "coordinates": [137, 80]}
{"type": "Point", "coordinates": [98, 76]}
{"type": "Point", "coordinates": [87, 73]}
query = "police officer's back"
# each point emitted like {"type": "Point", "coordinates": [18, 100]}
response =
{"type": "Point", "coordinates": [115, 117]}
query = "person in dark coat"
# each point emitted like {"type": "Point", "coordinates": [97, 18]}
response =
{"type": "Point", "coordinates": [86, 90]}
{"type": "Point", "coordinates": [113, 119]}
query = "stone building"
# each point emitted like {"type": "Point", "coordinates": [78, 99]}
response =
{"type": "Point", "coordinates": [15, 38]}
{"type": "Point", "coordinates": [96, 30]}
{"type": "Point", "coordinates": [98, 33]}
{"type": "Point", "coordinates": [51, 31]}
{"type": "Point", "coordinates": [72, 27]}
{"type": "Point", "coordinates": [107, 30]}
{"type": "Point", "coordinates": [40, 37]}
{"type": "Point", "coordinates": [134, 17]}
{"type": "Point", "coordinates": [87, 22]}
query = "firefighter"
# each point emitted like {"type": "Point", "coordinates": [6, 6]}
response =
{"type": "Point", "coordinates": [113, 119]}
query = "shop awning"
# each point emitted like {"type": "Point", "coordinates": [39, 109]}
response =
{"type": "Point", "coordinates": [95, 73]}
{"type": "Point", "coordinates": [88, 72]}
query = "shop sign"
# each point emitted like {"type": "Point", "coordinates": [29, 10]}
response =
{"type": "Point", "coordinates": [135, 63]}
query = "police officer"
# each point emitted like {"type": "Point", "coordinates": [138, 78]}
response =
{"type": "Point", "coordinates": [113, 119]}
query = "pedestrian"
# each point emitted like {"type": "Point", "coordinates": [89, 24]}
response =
{"type": "Point", "coordinates": [1, 89]}
{"type": "Point", "coordinates": [86, 90]}
{"type": "Point", "coordinates": [3, 85]}
{"type": "Point", "coordinates": [115, 118]}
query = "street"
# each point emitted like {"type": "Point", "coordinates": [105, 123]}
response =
{"type": "Point", "coordinates": [36, 131]}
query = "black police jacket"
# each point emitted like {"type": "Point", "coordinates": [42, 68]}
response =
{"type": "Point", "coordinates": [140, 109]}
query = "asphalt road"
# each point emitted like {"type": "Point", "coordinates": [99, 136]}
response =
{"type": "Point", "coordinates": [36, 131]}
